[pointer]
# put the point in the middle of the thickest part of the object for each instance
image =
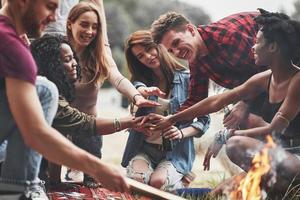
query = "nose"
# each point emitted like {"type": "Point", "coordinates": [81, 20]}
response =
{"type": "Point", "coordinates": [89, 30]}
{"type": "Point", "coordinates": [74, 63]}
{"type": "Point", "coordinates": [52, 18]}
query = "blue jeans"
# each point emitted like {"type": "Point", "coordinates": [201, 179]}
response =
{"type": "Point", "coordinates": [21, 165]}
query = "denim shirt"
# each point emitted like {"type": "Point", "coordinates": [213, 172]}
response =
{"type": "Point", "coordinates": [183, 154]}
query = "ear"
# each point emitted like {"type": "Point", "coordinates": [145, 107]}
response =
{"type": "Point", "coordinates": [69, 24]}
{"type": "Point", "coordinates": [273, 47]}
{"type": "Point", "coordinates": [191, 29]}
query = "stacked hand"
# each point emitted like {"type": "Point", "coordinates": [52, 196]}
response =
{"type": "Point", "coordinates": [155, 91]}
{"type": "Point", "coordinates": [159, 122]}
{"type": "Point", "coordinates": [140, 125]}
{"type": "Point", "coordinates": [140, 101]}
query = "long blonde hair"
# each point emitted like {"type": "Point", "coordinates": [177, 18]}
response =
{"type": "Point", "coordinates": [93, 59]}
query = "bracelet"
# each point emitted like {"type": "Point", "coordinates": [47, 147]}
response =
{"type": "Point", "coordinates": [182, 136]}
{"type": "Point", "coordinates": [117, 125]}
{"type": "Point", "coordinates": [119, 82]}
{"type": "Point", "coordinates": [222, 136]}
{"type": "Point", "coordinates": [133, 98]}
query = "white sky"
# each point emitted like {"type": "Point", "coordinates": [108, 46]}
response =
{"type": "Point", "coordinates": [218, 9]}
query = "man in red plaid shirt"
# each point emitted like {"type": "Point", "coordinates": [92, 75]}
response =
{"type": "Point", "coordinates": [220, 51]}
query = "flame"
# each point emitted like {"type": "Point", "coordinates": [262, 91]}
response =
{"type": "Point", "coordinates": [249, 187]}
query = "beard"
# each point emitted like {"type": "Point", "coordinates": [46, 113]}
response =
{"type": "Point", "coordinates": [31, 23]}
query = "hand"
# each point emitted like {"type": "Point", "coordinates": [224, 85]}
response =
{"type": "Point", "coordinates": [140, 102]}
{"type": "Point", "coordinates": [111, 178]}
{"type": "Point", "coordinates": [148, 91]}
{"type": "Point", "coordinates": [172, 133]}
{"type": "Point", "coordinates": [159, 122]}
{"type": "Point", "coordinates": [237, 116]}
{"type": "Point", "coordinates": [136, 124]}
{"type": "Point", "coordinates": [212, 150]}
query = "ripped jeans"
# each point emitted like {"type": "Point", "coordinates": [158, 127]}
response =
{"type": "Point", "coordinates": [155, 159]}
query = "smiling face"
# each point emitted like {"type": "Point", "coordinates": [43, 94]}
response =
{"type": "Point", "coordinates": [183, 44]}
{"type": "Point", "coordinates": [68, 60]}
{"type": "Point", "coordinates": [38, 15]}
{"type": "Point", "coordinates": [148, 57]}
{"type": "Point", "coordinates": [84, 29]}
{"type": "Point", "coordinates": [261, 50]}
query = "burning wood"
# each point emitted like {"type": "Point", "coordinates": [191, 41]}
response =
{"type": "Point", "coordinates": [249, 186]}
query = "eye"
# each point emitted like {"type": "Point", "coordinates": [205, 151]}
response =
{"type": "Point", "coordinates": [140, 56]}
{"type": "Point", "coordinates": [68, 59]}
{"type": "Point", "coordinates": [95, 27]}
{"type": "Point", "coordinates": [84, 24]}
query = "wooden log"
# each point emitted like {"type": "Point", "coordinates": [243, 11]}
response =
{"type": "Point", "coordinates": [149, 191]}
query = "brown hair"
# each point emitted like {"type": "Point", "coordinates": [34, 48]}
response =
{"type": "Point", "coordinates": [93, 59]}
{"type": "Point", "coordinates": [139, 71]}
{"type": "Point", "coordinates": [166, 22]}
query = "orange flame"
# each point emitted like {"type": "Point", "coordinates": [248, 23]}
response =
{"type": "Point", "coordinates": [249, 187]}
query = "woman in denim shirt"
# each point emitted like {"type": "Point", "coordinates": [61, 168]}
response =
{"type": "Point", "coordinates": [147, 157]}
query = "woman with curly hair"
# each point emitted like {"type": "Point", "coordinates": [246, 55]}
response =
{"type": "Point", "coordinates": [56, 61]}
{"type": "Point", "coordinates": [86, 31]}
{"type": "Point", "coordinates": [160, 159]}
{"type": "Point", "coordinates": [278, 47]}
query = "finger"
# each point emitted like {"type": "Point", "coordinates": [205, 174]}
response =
{"type": "Point", "coordinates": [216, 152]}
{"type": "Point", "coordinates": [230, 123]}
{"type": "Point", "coordinates": [228, 118]}
{"type": "Point", "coordinates": [147, 103]}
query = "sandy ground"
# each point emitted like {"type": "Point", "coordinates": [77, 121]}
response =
{"type": "Point", "coordinates": [109, 106]}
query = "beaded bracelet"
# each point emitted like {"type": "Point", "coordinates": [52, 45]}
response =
{"type": "Point", "coordinates": [117, 125]}
{"type": "Point", "coordinates": [222, 136]}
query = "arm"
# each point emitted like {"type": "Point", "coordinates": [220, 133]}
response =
{"type": "Point", "coordinates": [22, 98]}
{"type": "Point", "coordinates": [122, 84]}
{"type": "Point", "coordinates": [214, 103]}
{"type": "Point", "coordinates": [287, 112]}
{"type": "Point", "coordinates": [69, 120]}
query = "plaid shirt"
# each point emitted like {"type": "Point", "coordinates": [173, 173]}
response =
{"type": "Point", "coordinates": [229, 62]}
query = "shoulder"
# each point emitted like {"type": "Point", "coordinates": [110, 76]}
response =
{"type": "Point", "coordinates": [260, 80]}
{"type": "Point", "coordinates": [181, 74]}
{"type": "Point", "coordinates": [295, 81]}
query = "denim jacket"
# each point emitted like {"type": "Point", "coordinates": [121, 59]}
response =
{"type": "Point", "coordinates": [183, 154]}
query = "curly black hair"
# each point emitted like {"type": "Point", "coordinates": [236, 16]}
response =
{"type": "Point", "coordinates": [279, 28]}
{"type": "Point", "coordinates": [47, 54]}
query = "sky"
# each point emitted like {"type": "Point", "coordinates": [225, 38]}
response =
{"type": "Point", "coordinates": [218, 9]}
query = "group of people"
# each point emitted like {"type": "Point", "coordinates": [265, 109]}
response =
{"type": "Point", "coordinates": [49, 92]}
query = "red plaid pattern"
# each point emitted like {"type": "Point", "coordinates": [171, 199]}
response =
{"type": "Point", "coordinates": [230, 61]}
